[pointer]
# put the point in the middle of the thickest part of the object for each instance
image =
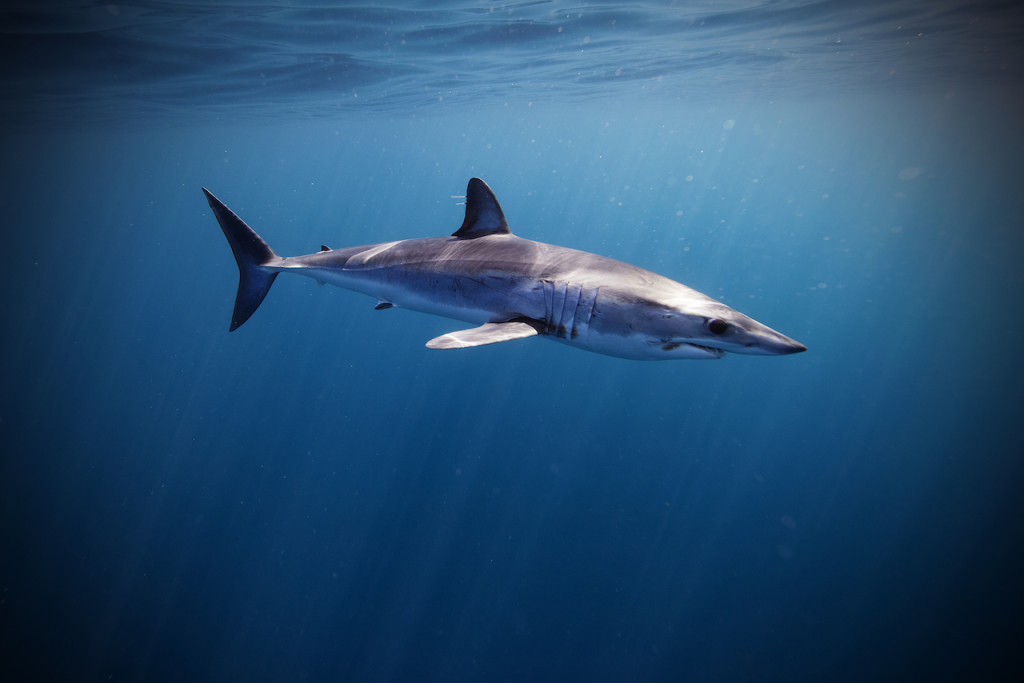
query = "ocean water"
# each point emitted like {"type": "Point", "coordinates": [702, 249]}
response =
{"type": "Point", "coordinates": [318, 497]}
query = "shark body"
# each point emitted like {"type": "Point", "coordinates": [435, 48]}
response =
{"type": "Point", "coordinates": [511, 288]}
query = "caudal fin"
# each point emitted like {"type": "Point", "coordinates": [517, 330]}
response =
{"type": "Point", "coordinates": [251, 254]}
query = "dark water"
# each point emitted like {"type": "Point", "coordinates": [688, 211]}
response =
{"type": "Point", "coordinates": [318, 497]}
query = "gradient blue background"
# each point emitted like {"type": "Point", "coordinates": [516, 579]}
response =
{"type": "Point", "coordinates": [319, 497]}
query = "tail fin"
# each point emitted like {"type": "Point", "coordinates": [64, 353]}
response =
{"type": "Point", "coordinates": [251, 254]}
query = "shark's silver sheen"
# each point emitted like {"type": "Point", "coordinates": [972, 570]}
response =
{"type": "Point", "coordinates": [512, 288]}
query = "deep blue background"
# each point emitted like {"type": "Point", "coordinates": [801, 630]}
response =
{"type": "Point", "coordinates": [319, 497]}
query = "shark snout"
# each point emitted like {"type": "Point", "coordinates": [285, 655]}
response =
{"type": "Point", "coordinates": [790, 346]}
{"type": "Point", "coordinates": [771, 343]}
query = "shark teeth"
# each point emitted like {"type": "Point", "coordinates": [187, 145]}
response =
{"type": "Point", "coordinates": [670, 344]}
{"type": "Point", "coordinates": [710, 349]}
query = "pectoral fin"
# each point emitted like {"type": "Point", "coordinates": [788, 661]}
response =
{"type": "Point", "coordinates": [488, 333]}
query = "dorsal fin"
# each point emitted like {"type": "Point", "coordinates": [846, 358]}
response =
{"type": "Point", "coordinates": [483, 214]}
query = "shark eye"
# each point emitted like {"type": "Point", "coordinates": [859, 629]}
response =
{"type": "Point", "coordinates": [718, 327]}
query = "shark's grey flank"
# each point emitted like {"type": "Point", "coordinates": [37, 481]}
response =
{"type": "Point", "coordinates": [512, 288]}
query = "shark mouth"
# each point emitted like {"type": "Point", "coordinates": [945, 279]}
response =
{"type": "Point", "coordinates": [710, 350]}
{"type": "Point", "coordinates": [669, 345]}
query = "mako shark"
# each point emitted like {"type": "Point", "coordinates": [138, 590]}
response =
{"type": "Point", "coordinates": [511, 288]}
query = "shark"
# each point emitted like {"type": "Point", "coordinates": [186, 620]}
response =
{"type": "Point", "coordinates": [509, 288]}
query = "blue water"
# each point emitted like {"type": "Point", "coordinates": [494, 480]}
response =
{"type": "Point", "coordinates": [318, 497]}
